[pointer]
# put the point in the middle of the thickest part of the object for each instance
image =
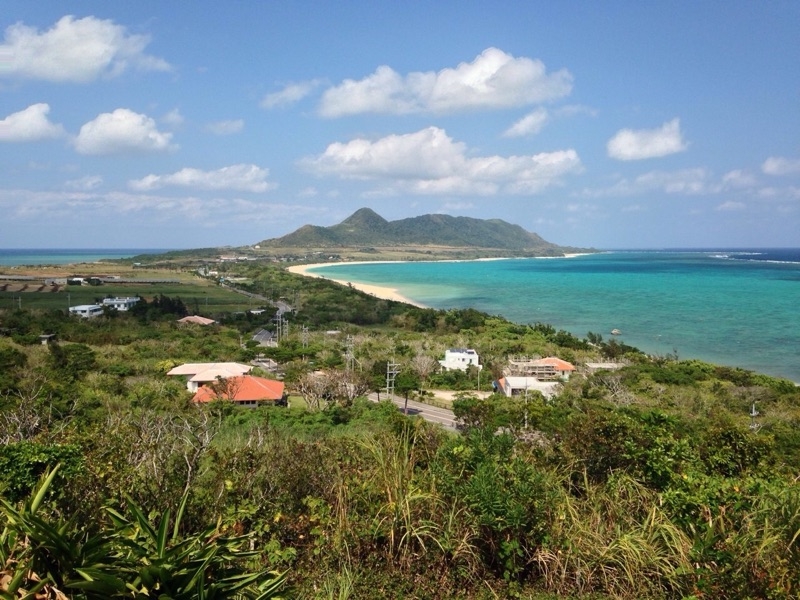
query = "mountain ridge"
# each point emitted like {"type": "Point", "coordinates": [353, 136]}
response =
{"type": "Point", "coordinates": [365, 227]}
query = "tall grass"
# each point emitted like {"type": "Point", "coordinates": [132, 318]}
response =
{"type": "Point", "coordinates": [614, 539]}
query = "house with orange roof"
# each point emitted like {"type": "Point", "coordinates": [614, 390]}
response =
{"type": "Point", "coordinates": [243, 390]}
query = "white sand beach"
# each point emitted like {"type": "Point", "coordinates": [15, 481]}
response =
{"type": "Point", "coordinates": [384, 293]}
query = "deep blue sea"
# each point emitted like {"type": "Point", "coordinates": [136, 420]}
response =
{"type": "Point", "coordinates": [60, 256]}
{"type": "Point", "coordinates": [730, 307]}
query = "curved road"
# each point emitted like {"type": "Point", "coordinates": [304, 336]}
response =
{"type": "Point", "coordinates": [432, 414]}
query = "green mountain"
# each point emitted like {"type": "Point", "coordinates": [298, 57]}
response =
{"type": "Point", "coordinates": [367, 228]}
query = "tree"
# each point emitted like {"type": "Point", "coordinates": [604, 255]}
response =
{"type": "Point", "coordinates": [406, 383]}
{"type": "Point", "coordinates": [315, 388]}
{"type": "Point", "coordinates": [424, 365]}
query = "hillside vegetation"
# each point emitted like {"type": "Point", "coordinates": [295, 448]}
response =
{"type": "Point", "coordinates": [367, 228]}
{"type": "Point", "coordinates": [662, 478]}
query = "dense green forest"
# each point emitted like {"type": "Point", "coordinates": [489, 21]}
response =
{"type": "Point", "coordinates": [664, 478]}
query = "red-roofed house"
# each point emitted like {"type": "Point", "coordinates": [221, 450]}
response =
{"type": "Point", "coordinates": [244, 390]}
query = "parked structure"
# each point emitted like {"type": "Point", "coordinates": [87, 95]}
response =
{"type": "Point", "coordinates": [200, 373]}
{"type": "Point", "coordinates": [87, 311]}
{"type": "Point", "coordinates": [122, 304]}
{"type": "Point", "coordinates": [460, 359]}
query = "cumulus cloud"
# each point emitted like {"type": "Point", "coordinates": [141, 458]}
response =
{"type": "Point", "coordinates": [630, 144]}
{"type": "Point", "coordinates": [777, 165]}
{"type": "Point", "coordinates": [225, 127]}
{"type": "Point", "coordinates": [74, 50]}
{"type": "Point", "coordinates": [29, 125]}
{"type": "Point", "coordinates": [430, 162]}
{"type": "Point", "coordinates": [122, 131]}
{"type": "Point", "coordinates": [493, 80]}
{"type": "Point", "coordinates": [242, 178]}
{"type": "Point", "coordinates": [291, 93]}
{"type": "Point", "coordinates": [530, 124]}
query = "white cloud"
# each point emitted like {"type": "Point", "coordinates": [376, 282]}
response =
{"type": "Point", "coordinates": [630, 144]}
{"type": "Point", "coordinates": [731, 205]}
{"type": "Point", "coordinates": [308, 192]}
{"type": "Point", "coordinates": [225, 127]}
{"type": "Point", "coordinates": [243, 178]}
{"type": "Point", "coordinates": [144, 209]}
{"type": "Point", "coordinates": [430, 162]}
{"type": "Point", "coordinates": [173, 118]}
{"type": "Point", "coordinates": [777, 165]}
{"type": "Point", "coordinates": [738, 179]}
{"type": "Point", "coordinates": [122, 131]}
{"type": "Point", "coordinates": [685, 181]}
{"type": "Point", "coordinates": [530, 124]}
{"type": "Point", "coordinates": [29, 125]}
{"type": "Point", "coordinates": [85, 184]}
{"type": "Point", "coordinates": [493, 80]}
{"type": "Point", "coordinates": [291, 93]}
{"type": "Point", "coordinates": [75, 50]}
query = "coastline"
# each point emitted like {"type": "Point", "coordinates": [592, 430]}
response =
{"type": "Point", "coordinates": [389, 293]}
{"type": "Point", "coordinates": [384, 293]}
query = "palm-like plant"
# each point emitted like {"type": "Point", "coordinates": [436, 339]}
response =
{"type": "Point", "coordinates": [56, 558]}
{"type": "Point", "coordinates": [204, 566]}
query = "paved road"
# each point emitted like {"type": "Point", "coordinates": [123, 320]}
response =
{"type": "Point", "coordinates": [433, 414]}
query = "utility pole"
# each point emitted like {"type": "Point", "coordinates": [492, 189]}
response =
{"type": "Point", "coordinates": [753, 414]}
{"type": "Point", "coordinates": [349, 356]}
{"type": "Point", "coordinates": [392, 369]}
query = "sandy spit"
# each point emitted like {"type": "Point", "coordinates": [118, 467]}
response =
{"type": "Point", "coordinates": [384, 293]}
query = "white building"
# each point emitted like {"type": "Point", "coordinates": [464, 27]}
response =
{"type": "Point", "coordinates": [521, 386]}
{"type": "Point", "coordinates": [200, 373]}
{"type": "Point", "coordinates": [460, 359]}
{"type": "Point", "coordinates": [86, 311]}
{"type": "Point", "coordinates": [120, 303]}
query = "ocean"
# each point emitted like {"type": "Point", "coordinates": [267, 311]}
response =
{"type": "Point", "coordinates": [60, 256]}
{"type": "Point", "coordinates": [737, 307]}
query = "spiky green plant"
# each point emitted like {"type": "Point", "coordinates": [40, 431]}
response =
{"type": "Point", "coordinates": [131, 558]}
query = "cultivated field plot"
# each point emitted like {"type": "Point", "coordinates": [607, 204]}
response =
{"type": "Point", "coordinates": [200, 296]}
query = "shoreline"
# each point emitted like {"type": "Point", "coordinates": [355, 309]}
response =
{"type": "Point", "coordinates": [381, 292]}
{"type": "Point", "coordinates": [389, 293]}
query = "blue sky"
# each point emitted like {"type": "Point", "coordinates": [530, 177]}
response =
{"type": "Point", "coordinates": [604, 124]}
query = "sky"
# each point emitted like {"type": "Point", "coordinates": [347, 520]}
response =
{"type": "Point", "coordinates": [594, 124]}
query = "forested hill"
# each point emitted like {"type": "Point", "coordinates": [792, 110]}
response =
{"type": "Point", "coordinates": [367, 228]}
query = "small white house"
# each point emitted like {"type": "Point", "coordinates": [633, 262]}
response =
{"type": "Point", "coordinates": [200, 373]}
{"type": "Point", "coordinates": [87, 311]}
{"type": "Point", "coordinates": [122, 304]}
{"type": "Point", "coordinates": [460, 359]}
{"type": "Point", "coordinates": [522, 386]}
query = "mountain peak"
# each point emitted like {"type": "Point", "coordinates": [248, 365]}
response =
{"type": "Point", "coordinates": [365, 218]}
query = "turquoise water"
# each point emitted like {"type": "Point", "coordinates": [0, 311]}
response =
{"type": "Point", "coordinates": [57, 256]}
{"type": "Point", "coordinates": [736, 308]}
